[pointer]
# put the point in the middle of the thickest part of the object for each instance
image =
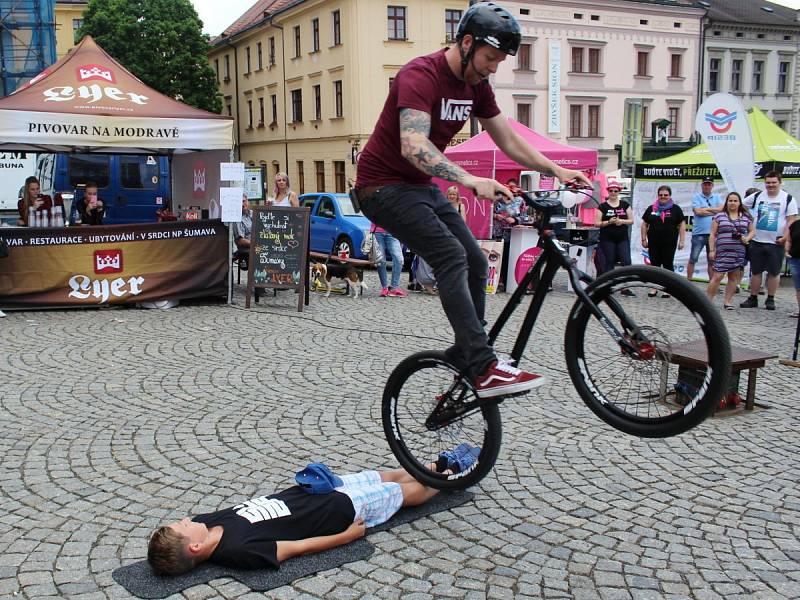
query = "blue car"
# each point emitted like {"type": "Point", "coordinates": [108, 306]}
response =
{"type": "Point", "coordinates": [335, 224]}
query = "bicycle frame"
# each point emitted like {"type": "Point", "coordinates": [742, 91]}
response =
{"type": "Point", "coordinates": [555, 256]}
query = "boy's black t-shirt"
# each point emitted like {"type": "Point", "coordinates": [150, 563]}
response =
{"type": "Point", "coordinates": [251, 529]}
{"type": "Point", "coordinates": [663, 225]}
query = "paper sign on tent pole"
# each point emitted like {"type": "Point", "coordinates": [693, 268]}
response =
{"type": "Point", "coordinates": [722, 121]}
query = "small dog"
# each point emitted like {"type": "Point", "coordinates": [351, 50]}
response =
{"type": "Point", "coordinates": [352, 277]}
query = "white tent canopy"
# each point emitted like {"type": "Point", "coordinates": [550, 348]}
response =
{"type": "Point", "coordinates": [87, 102]}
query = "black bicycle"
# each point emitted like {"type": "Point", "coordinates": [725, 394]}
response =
{"type": "Point", "coordinates": [618, 350]}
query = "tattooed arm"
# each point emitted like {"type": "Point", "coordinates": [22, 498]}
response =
{"type": "Point", "coordinates": [523, 153]}
{"type": "Point", "coordinates": [420, 151]}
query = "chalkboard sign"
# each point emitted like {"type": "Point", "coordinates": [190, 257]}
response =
{"type": "Point", "coordinates": [279, 250]}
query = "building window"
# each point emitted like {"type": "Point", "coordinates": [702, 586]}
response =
{"type": "Point", "coordinates": [337, 27]}
{"type": "Point", "coordinates": [317, 102]}
{"type": "Point", "coordinates": [391, 81]}
{"type": "Point", "coordinates": [249, 114]}
{"type": "Point", "coordinates": [397, 22]}
{"type": "Point", "coordinates": [524, 114]}
{"type": "Point", "coordinates": [645, 121]}
{"type": "Point", "coordinates": [261, 112]}
{"type": "Point", "coordinates": [247, 60]}
{"type": "Point", "coordinates": [297, 41]}
{"type": "Point", "coordinates": [758, 75]}
{"type": "Point", "coordinates": [783, 77]}
{"type": "Point", "coordinates": [338, 176]}
{"type": "Point", "coordinates": [319, 168]}
{"type": "Point", "coordinates": [301, 177]}
{"type": "Point", "coordinates": [736, 74]}
{"type": "Point", "coordinates": [524, 57]}
{"type": "Point", "coordinates": [273, 100]}
{"type": "Point", "coordinates": [272, 51]}
{"type": "Point", "coordinates": [713, 74]}
{"type": "Point", "coordinates": [594, 60]}
{"type": "Point", "coordinates": [675, 65]}
{"type": "Point", "coordinates": [674, 119]}
{"type": "Point", "coordinates": [216, 68]}
{"type": "Point", "coordinates": [227, 73]}
{"type": "Point", "coordinates": [594, 121]}
{"type": "Point", "coordinates": [315, 35]}
{"type": "Point", "coordinates": [575, 117]}
{"type": "Point", "coordinates": [337, 94]}
{"type": "Point", "coordinates": [781, 124]}
{"type": "Point", "coordinates": [297, 106]}
{"type": "Point", "coordinates": [451, 21]}
{"type": "Point", "coordinates": [642, 64]}
{"type": "Point", "coordinates": [230, 112]}
{"type": "Point", "coordinates": [259, 56]}
{"type": "Point", "coordinates": [577, 60]}
{"type": "Point", "coordinates": [76, 26]}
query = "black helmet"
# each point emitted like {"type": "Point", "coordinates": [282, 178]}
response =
{"type": "Point", "coordinates": [489, 23]}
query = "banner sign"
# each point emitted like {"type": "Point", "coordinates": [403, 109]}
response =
{"type": "Point", "coordinates": [697, 172]}
{"type": "Point", "coordinates": [722, 121]}
{"type": "Point", "coordinates": [118, 264]}
{"type": "Point", "coordinates": [554, 88]}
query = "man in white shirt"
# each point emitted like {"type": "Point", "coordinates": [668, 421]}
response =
{"type": "Point", "coordinates": [774, 211]}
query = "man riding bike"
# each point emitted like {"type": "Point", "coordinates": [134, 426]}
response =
{"type": "Point", "coordinates": [430, 100]}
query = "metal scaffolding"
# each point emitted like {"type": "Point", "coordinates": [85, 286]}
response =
{"type": "Point", "coordinates": [27, 41]}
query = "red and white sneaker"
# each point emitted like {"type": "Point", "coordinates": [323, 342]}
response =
{"type": "Point", "coordinates": [502, 378]}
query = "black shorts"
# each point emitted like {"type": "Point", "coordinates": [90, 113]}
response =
{"type": "Point", "coordinates": [766, 257]}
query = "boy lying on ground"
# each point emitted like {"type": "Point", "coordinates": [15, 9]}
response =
{"type": "Point", "coordinates": [322, 512]}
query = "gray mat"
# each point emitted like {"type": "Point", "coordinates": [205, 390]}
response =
{"type": "Point", "coordinates": [140, 580]}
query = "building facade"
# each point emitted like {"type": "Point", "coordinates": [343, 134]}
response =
{"type": "Point", "coordinates": [751, 51]}
{"type": "Point", "coordinates": [69, 18]}
{"type": "Point", "coordinates": [307, 80]}
{"type": "Point", "coordinates": [602, 53]}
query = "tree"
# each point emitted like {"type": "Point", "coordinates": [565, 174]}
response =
{"type": "Point", "coordinates": [160, 42]}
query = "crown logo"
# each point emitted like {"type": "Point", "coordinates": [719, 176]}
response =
{"type": "Point", "coordinates": [89, 72]}
{"type": "Point", "coordinates": [107, 261]}
{"type": "Point", "coordinates": [199, 180]}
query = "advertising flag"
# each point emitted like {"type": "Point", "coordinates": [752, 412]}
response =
{"type": "Point", "coordinates": [722, 121]}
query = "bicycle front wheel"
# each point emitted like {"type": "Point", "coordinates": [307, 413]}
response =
{"type": "Point", "coordinates": [420, 394]}
{"type": "Point", "coordinates": [646, 393]}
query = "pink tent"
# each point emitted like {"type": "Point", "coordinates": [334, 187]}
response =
{"type": "Point", "coordinates": [481, 156]}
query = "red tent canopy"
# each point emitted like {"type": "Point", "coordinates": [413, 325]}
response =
{"type": "Point", "coordinates": [481, 156]}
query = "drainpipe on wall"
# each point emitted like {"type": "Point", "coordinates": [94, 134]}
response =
{"type": "Point", "coordinates": [236, 91]}
{"type": "Point", "coordinates": [285, 101]}
{"type": "Point", "coordinates": [704, 25]}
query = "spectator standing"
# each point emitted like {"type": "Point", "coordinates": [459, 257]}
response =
{"type": "Point", "coordinates": [506, 215]}
{"type": "Point", "coordinates": [663, 230]}
{"type": "Point", "coordinates": [705, 205]}
{"type": "Point", "coordinates": [774, 212]}
{"type": "Point", "coordinates": [793, 250]}
{"type": "Point", "coordinates": [731, 231]}
{"type": "Point", "coordinates": [390, 246]}
{"type": "Point", "coordinates": [454, 198]}
{"type": "Point", "coordinates": [283, 194]}
{"type": "Point", "coordinates": [613, 218]}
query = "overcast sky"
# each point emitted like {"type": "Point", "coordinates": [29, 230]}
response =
{"type": "Point", "coordinates": [218, 14]}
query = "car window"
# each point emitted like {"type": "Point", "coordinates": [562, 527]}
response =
{"type": "Point", "coordinates": [346, 206]}
{"type": "Point", "coordinates": [88, 167]}
{"type": "Point", "coordinates": [308, 201]}
{"type": "Point", "coordinates": [325, 208]}
{"type": "Point", "coordinates": [138, 172]}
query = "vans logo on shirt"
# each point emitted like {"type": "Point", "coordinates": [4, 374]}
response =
{"type": "Point", "coordinates": [455, 110]}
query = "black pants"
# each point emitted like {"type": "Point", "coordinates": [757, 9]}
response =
{"type": "Point", "coordinates": [421, 218]}
{"type": "Point", "coordinates": [612, 252]}
{"type": "Point", "coordinates": [662, 253]}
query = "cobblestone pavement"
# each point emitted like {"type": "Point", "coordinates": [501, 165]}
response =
{"type": "Point", "coordinates": [114, 421]}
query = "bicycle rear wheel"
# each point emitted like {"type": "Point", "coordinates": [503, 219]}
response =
{"type": "Point", "coordinates": [647, 394]}
{"type": "Point", "coordinates": [421, 384]}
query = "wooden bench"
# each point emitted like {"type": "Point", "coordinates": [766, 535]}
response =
{"type": "Point", "coordinates": [694, 355]}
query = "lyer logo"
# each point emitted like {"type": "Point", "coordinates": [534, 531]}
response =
{"type": "Point", "coordinates": [89, 72]}
{"type": "Point", "coordinates": [455, 110]}
{"type": "Point", "coordinates": [108, 261]}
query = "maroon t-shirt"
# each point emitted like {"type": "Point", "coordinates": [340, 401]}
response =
{"type": "Point", "coordinates": [427, 84]}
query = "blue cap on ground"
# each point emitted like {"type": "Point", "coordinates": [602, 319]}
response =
{"type": "Point", "coordinates": [317, 478]}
